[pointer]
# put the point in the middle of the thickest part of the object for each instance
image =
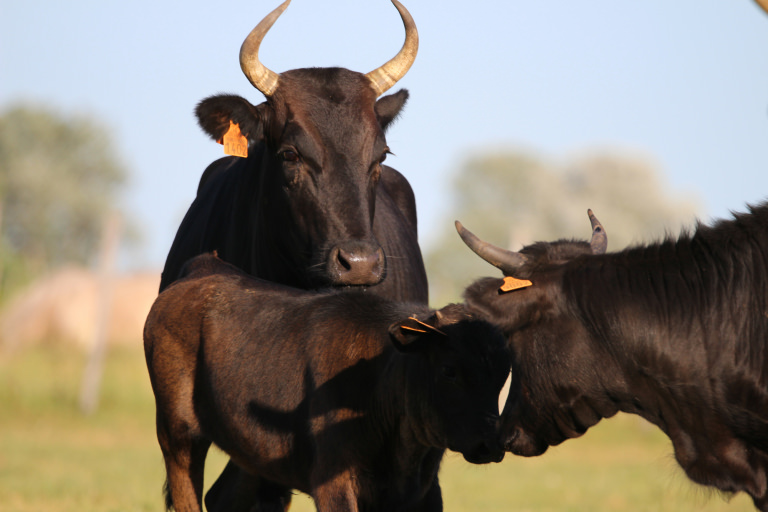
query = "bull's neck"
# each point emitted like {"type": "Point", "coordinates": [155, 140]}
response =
{"type": "Point", "coordinates": [267, 225]}
{"type": "Point", "coordinates": [678, 319]}
{"type": "Point", "coordinates": [650, 320]}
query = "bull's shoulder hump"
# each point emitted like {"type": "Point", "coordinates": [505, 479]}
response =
{"type": "Point", "coordinates": [398, 193]}
{"type": "Point", "coordinates": [396, 184]}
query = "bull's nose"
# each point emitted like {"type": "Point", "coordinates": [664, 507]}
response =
{"type": "Point", "coordinates": [356, 264]}
{"type": "Point", "coordinates": [484, 453]}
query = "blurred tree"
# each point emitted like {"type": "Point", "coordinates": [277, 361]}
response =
{"type": "Point", "coordinates": [513, 198]}
{"type": "Point", "coordinates": [59, 177]}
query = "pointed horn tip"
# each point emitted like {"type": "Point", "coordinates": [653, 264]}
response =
{"type": "Point", "coordinates": [593, 219]}
{"type": "Point", "coordinates": [279, 10]}
{"type": "Point", "coordinates": [466, 235]}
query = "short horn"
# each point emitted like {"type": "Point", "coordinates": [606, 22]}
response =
{"type": "Point", "coordinates": [260, 76]}
{"type": "Point", "coordinates": [599, 242]}
{"type": "Point", "coordinates": [386, 76]}
{"type": "Point", "coordinates": [763, 4]}
{"type": "Point", "coordinates": [504, 394]}
{"type": "Point", "coordinates": [508, 262]}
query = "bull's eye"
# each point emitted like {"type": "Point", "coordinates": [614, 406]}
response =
{"type": "Point", "coordinates": [289, 156]}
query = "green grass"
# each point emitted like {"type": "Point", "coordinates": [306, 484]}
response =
{"type": "Point", "coordinates": [54, 459]}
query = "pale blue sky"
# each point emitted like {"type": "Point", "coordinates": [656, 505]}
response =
{"type": "Point", "coordinates": [685, 81]}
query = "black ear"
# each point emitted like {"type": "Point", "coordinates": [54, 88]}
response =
{"type": "Point", "coordinates": [389, 107]}
{"type": "Point", "coordinates": [215, 113]}
{"type": "Point", "coordinates": [414, 335]}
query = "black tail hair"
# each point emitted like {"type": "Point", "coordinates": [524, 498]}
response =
{"type": "Point", "coordinates": [167, 494]}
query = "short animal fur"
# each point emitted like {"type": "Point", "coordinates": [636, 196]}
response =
{"type": "Point", "coordinates": [346, 396]}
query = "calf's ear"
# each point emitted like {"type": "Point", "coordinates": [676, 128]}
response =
{"type": "Point", "coordinates": [389, 107]}
{"type": "Point", "coordinates": [215, 113]}
{"type": "Point", "coordinates": [412, 334]}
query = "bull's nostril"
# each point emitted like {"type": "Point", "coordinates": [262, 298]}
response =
{"type": "Point", "coordinates": [344, 260]}
{"type": "Point", "coordinates": [359, 263]}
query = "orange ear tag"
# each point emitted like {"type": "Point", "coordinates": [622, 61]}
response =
{"type": "Point", "coordinates": [431, 328]}
{"type": "Point", "coordinates": [235, 143]}
{"type": "Point", "coordinates": [405, 327]}
{"type": "Point", "coordinates": [512, 283]}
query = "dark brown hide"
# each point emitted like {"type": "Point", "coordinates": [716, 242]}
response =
{"type": "Point", "coordinates": [348, 397]}
{"type": "Point", "coordinates": [312, 206]}
{"type": "Point", "coordinates": [676, 332]}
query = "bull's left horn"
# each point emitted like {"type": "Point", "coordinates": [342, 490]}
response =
{"type": "Point", "coordinates": [763, 4]}
{"type": "Point", "coordinates": [508, 262]}
{"type": "Point", "coordinates": [386, 76]}
{"type": "Point", "coordinates": [599, 241]}
{"type": "Point", "coordinates": [260, 76]}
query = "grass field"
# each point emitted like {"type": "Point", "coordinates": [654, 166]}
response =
{"type": "Point", "coordinates": [54, 459]}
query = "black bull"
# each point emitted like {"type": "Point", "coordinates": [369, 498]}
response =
{"type": "Point", "coordinates": [676, 332]}
{"type": "Point", "coordinates": [312, 205]}
{"type": "Point", "coordinates": [347, 396]}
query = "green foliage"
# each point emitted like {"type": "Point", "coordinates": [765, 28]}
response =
{"type": "Point", "coordinates": [59, 176]}
{"type": "Point", "coordinates": [513, 198]}
{"type": "Point", "coordinates": [53, 458]}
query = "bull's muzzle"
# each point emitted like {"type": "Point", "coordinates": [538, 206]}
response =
{"type": "Point", "coordinates": [356, 264]}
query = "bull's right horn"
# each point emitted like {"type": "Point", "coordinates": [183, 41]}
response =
{"type": "Point", "coordinates": [260, 76]}
{"type": "Point", "coordinates": [508, 262]}
{"type": "Point", "coordinates": [763, 4]}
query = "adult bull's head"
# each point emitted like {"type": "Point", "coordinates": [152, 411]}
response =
{"type": "Point", "coordinates": [318, 145]}
{"type": "Point", "coordinates": [551, 349]}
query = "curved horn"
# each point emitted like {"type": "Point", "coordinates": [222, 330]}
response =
{"type": "Point", "coordinates": [260, 76]}
{"type": "Point", "coordinates": [599, 242]}
{"type": "Point", "coordinates": [386, 76]}
{"type": "Point", "coordinates": [504, 394]}
{"type": "Point", "coordinates": [508, 262]}
{"type": "Point", "coordinates": [763, 4]}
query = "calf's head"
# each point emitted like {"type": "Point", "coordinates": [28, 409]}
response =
{"type": "Point", "coordinates": [322, 135]}
{"type": "Point", "coordinates": [458, 376]}
{"type": "Point", "coordinates": [556, 359]}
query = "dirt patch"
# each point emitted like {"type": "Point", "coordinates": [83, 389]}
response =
{"type": "Point", "coordinates": [64, 308]}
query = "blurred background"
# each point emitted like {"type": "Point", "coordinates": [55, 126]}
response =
{"type": "Point", "coordinates": [521, 116]}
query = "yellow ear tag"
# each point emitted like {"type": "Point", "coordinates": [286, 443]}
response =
{"type": "Point", "coordinates": [512, 283]}
{"type": "Point", "coordinates": [235, 143]}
